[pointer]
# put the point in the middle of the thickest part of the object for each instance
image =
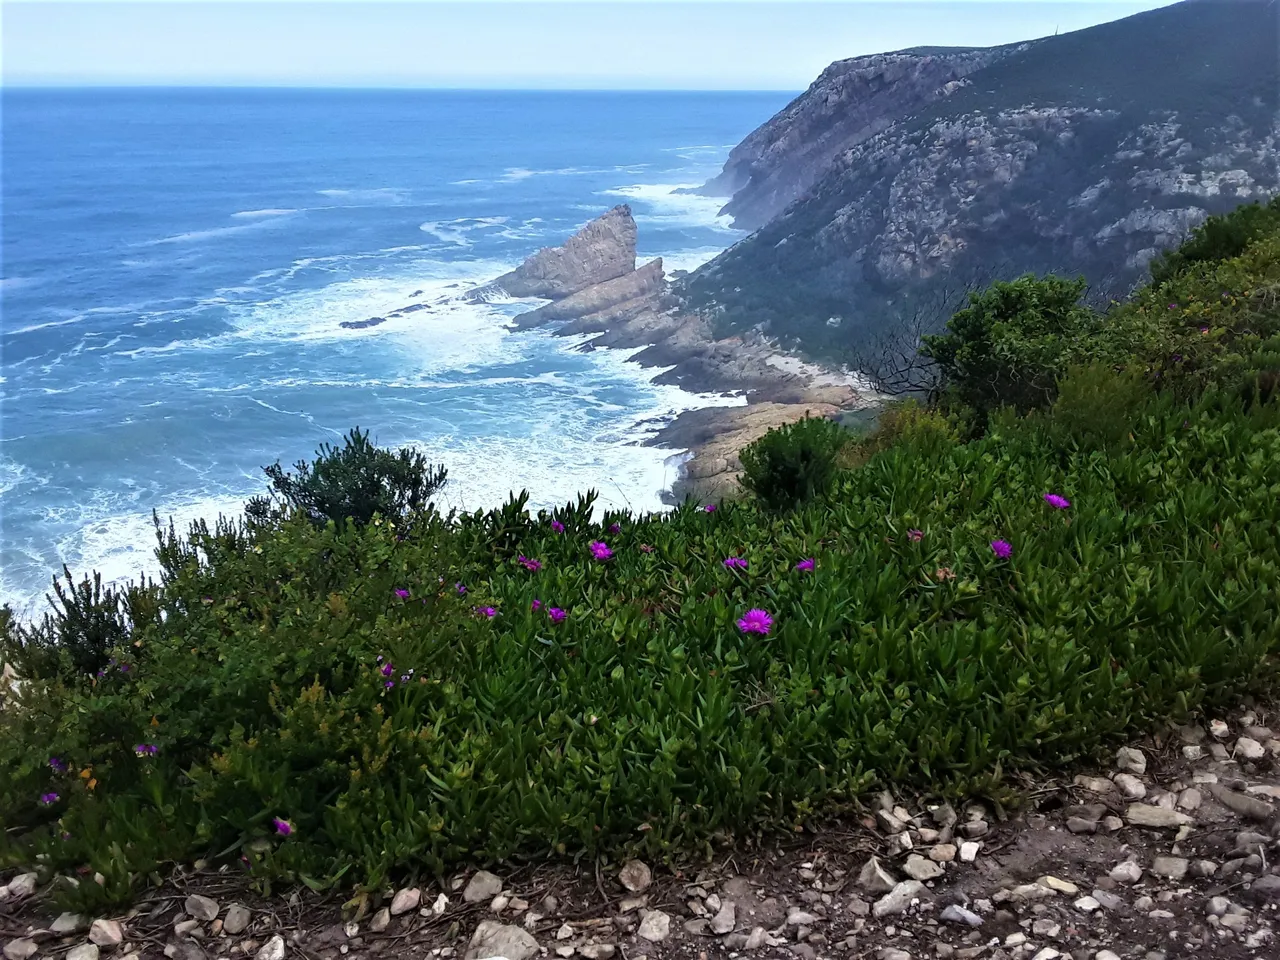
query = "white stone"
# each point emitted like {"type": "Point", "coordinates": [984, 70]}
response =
{"type": "Point", "coordinates": [898, 900]}
{"type": "Point", "coordinates": [969, 851]}
{"type": "Point", "coordinates": [106, 933]}
{"type": "Point", "coordinates": [273, 949]}
{"type": "Point", "coordinates": [237, 919]}
{"type": "Point", "coordinates": [405, 900]}
{"type": "Point", "coordinates": [1249, 748]}
{"type": "Point", "coordinates": [918, 868]}
{"type": "Point", "coordinates": [874, 878]}
{"type": "Point", "coordinates": [83, 951]}
{"type": "Point", "coordinates": [1219, 729]}
{"type": "Point", "coordinates": [440, 906]}
{"type": "Point", "coordinates": [1127, 872]}
{"type": "Point", "coordinates": [494, 939]}
{"type": "Point", "coordinates": [1192, 752]}
{"type": "Point", "coordinates": [636, 876]}
{"type": "Point", "coordinates": [23, 885]}
{"type": "Point", "coordinates": [202, 908]}
{"type": "Point", "coordinates": [725, 919]}
{"type": "Point", "coordinates": [483, 886]}
{"type": "Point", "coordinates": [1148, 815]}
{"type": "Point", "coordinates": [1106, 955]}
{"type": "Point", "coordinates": [19, 949]}
{"type": "Point", "coordinates": [598, 951]}
{"type": "Point", "coordinates": [1059, 885]}
{"type": "Point", "coordinates": [67, 923]}
{"type": "Point", "coordinates": [1131, 760]}
{"type": "Point", "coordinates": [1131, 786]}
{"type": "Point", "coordinates": [381, 920]}
{"type": "Point", "coordinates": [953, 913]}
{"type": "Point", "coordinates": [1087, 905]}
{"type": "Point", "coordinates": [655, 926]}
{"type": "Point", "coordinates": [499, 903]}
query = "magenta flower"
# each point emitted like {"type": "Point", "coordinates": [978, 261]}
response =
{"type": "Point", "coordinates": [556, 614]}
{"type": "Point", "coordinates": [146, 749]}
{"type": "Point", "coordinates": [756, 621]}
{"type": "Point", "coordinates": [387, 669]}
{"type": "Point", "coordinates": [915, 536]}
{"type": "Point", "coordinates": [1002, 549]}
{"type": "Point", "coordinates": [58, 764]}
{"type": "Point", "coordinates": [600, 550]}
{"type": "Point", "coordinates": [283, 827]}
{"type": "Point", "coordinates": [710, 508]}
{"type": "Point", "coordinates": [48, 799]}
{"type": "Point", "coordinates": [462, 591]}
{"type": "Point", "coordinates": [557, 526]}
{"type": "Point", "coordinates": [537, 604]}
{"type": "Point", "coordinates": [615, 528]}
{"type": "Point", "coordinates": [531, 565]}
{"type": "Point", "coordinates": [1057, 502]}
{"type": "Point", "coordinates": [489, 612]}
{"type": "Point", "coordinates": [806, 564]}
{"type": "Point", "coordinates": [739, 563]}
{"type": "Point", "coordinates": [402, 593]}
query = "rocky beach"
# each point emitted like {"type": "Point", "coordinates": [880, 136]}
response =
{"type": "Point", "coordinates": [595, 289]}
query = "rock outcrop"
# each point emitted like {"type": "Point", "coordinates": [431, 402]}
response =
{"type": "Point", "coordinates": [602, 250]}
{"type": "Point", "coordinates": [630, 287]}
{"type": "Point", "coordinates": [1085, 153]}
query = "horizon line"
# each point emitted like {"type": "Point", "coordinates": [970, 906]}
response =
{"type": "Point", "coordinates": [257, 85]}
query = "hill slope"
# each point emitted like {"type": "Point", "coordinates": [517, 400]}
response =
{"type": "Point", "coordinates": [1086, 152]}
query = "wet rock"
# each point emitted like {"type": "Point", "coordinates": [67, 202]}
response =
{"type": "Point", "coordinates": [494, 939]}
{"type": "Point", "coordinates": [636, 876]}
{"type": "Point", "coordinates": [483, 886]}
{"type": "Point", "coordinates": [406, 900]}
{"type": "Point", "coordinates": [655, 926]}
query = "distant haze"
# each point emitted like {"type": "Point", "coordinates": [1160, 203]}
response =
{"type": "Point", "coordinates": [535, 44]}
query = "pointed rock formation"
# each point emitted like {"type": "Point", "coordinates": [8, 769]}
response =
{"type": "Point", "coordinates": [601, 296]}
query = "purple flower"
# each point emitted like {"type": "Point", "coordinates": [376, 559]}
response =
{"type": "Point", "coordinates": [732, 563]}
{"type": "Point", "coordinates": [48, 799]}
{"type": "Point", "coordinates": [58, 764]}
{"type": "Point", "coordinates": [1002, 549]}
{"type": "Point", "coordinates": [756, 621]}
{"type": "Point", "coordinates": [1057, 502]}
{"type": "Point", "coordinates": [537, 604]}
{"type": "Point", "coordinates": [600, 550]}
{"type": "Point", "coordinates": [645, 548]}
{"type": "Point", "coordinates": [462, 591]}
{"type": "Point", "coordinates": [532, 565]}
{"type": "Point", "coordinates": [1173, 306]}
{"type": "Point", "coordinates": [283, 827]}
{"type": "Point", "coordinates": [806, 564]}
{"type": "Point", "coordinates": [557, 526]}
{"type": "Point", "coordinates": [387, 669]}
{"type": "Point", "coordinates": [915, 536]}
{"type": "Point", "coordinates": [402, 594]}
{"type": "Point", "coordinates": [124, 668]}
{"type": "Point", "coordinates": [489, 612]}
{"type": "Point", "coordinates": [389, 684]}
{"type": "Point", "coordinates": [615, 528]}
{"type": "Point", "coordinates": [710, 508]}
{"type": "Point", "coordinates": [146, 749]}
{"type": "Point", "coordinates": [404, 678]}
{"type": "Point", "coordinates": [556, 614]}
{"type": "Point", "coordinates": [1204, 329]}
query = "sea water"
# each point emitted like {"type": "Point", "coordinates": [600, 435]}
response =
{"type": "Point", "coordinates": [177, 265]}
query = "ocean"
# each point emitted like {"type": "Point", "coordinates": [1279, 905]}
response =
{"type": "Point", "coordinates": [176, 264]}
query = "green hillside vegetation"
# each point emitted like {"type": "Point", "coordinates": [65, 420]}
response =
{"type": "Point", "coordinates": [978, 591]}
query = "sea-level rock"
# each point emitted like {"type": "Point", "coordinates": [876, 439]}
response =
{"type": "Point", "coordinates": [598, 297]}
{"type": "Point", "coordinates": [602, 250]}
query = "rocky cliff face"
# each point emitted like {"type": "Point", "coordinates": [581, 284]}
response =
{"type": "Point", "coordinates": [850, 102]}
{"type": "Point", "coordinates": [1085, 153]}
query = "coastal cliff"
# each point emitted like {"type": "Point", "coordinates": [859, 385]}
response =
{"type": "Point", "coordinates": [1085, 153]}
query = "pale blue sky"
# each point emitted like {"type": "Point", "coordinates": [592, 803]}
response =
{"type": "Point", "coordinates": [714, 44]}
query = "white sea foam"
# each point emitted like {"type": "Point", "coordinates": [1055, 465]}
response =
{"type": "Point", "coordinates": [376, 195]}
{"type": "Point", "coordinates": [269, 212]}
{"type": "Point", "coordinates": [660, 204]}
{"type": "Point", "coordinates": [193, 236]}
{"type": "Point", "coordinates": [13, 283]}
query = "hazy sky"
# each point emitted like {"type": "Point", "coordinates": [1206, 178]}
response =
{"type": "Point", "coordinates": [757, 44]}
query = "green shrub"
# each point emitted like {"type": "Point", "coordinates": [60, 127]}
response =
{"type": "Point", "coordinates": [1097, 405]}
{"type": "Point", "coordinates": [355, 482]}
{"type": "Point", "coordinates": [902, 421]}
{"type": "Point", "coordinates": [1220, 237]}
{"type": "Point", "coordinates": [792, 464]}
{"type": "Point", "coordinates": [1013, 342]}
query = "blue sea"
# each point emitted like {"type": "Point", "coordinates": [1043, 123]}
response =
{"type": "Point", "coordinates": [176, 264]}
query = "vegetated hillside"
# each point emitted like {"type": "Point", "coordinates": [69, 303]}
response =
{"type": "Point", "coordinates": [1083, 153]}
{"type": "Point", "coordinates": [336, 699]}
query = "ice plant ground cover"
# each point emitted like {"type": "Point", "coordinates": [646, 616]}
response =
{"type": "Point", "coordinates": [660, 700]}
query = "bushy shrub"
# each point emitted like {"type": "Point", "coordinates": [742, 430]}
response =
{"type": "Point", "coordinates": [794, 463]}
{"type": "Point", "coordinates": [1013, 342]}
{"type": "Point", "coordinates": [1098, 405]}
{"type": "Point", "coordinates": [354, 482]}
{"type": "Point", "coordinates": [1220, 237]}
